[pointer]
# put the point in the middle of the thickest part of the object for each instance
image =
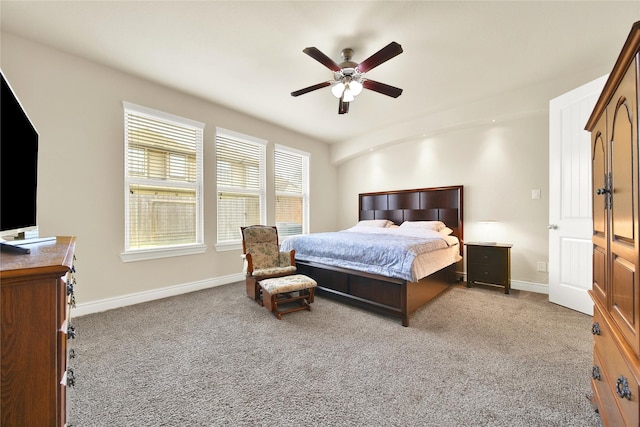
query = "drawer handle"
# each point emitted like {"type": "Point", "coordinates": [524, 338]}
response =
{"type": "Point", "coordinates": [595, 372]}
{"type": "Point", "coordinates": [71, 331]}
{"type": "Point", "coordinates": [595, 328]}
{"type": "Point", "coordinates": [71, 378]}
{"type": "Point", "coordinates": [622, 388]}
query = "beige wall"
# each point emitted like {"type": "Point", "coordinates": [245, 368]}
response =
{"type": "Point", "coordinates": [498, 165]}
{"type": "Point", "coordinates": [76, 106]}
{"type": "Point", "coordinates": [498, 148]}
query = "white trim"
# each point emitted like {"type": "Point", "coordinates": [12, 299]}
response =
{"type": "Point", "coordinates": [156, 114]}
{"type": "Point", "coordinates": [232, 246]}
{"type": "Point", "coordinates": [164, 252]}
{"type": "Point", "coordinates": [539, 288]}
{"type": "Point", "coordinates": [240, 136]}
{"type": "Point", "coordinates": [292, 150]}
{"type": "Point", "coordinates": [97, 306]}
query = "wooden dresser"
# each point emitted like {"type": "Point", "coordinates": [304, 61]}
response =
{"type": "Point", "coordinates": [37, 292]}
{"type": "Point", "coordinates": [616, 291]}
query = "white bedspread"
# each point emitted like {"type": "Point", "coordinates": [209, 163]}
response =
{"type": "Point", "coordinates": [392, 252]}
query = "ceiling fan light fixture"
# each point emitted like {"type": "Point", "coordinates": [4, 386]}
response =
{"type": "Point", "coordinates": [348, 95]}
{"type": "Point", "coordinates": [348, 76]}
{"type": "Point", "coordinates": [355, 87]}
{"type": "Point", "coordinates": [337, 89]}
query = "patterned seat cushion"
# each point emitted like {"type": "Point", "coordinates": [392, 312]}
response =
{"type": "Point", "coordinates": [295, 282]}
{"type": "Point", "coordinates": [263, 272]}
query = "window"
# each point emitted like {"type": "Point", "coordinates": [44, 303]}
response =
{"type": "Point", "coordinates": [240, 166]}
{"type": "Point", "coordinates": [292, 191]}
{"type": "Point", "coordinates": [163, 184]}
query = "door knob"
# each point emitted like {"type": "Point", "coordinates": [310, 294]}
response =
{"type": "Point", "coordinates": [552, 227]}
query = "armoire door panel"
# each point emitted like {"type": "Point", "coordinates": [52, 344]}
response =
{"type": "Point", "coordinates": [624, 300]}
{"type": "Point", "coordinates": [600, 273]}
{"type": "Point", "coordinates": [622, 163]}
{"type": "Point", "coordinates": [599, 167]}
{"type": "Point", "coordinates": [600, 210]}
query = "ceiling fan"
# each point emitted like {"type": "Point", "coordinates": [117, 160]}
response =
{"type": "Point", "coordinates": [348, 76]}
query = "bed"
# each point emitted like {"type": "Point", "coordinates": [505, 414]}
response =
{"type": "Point", "coordinates": [389, 290]}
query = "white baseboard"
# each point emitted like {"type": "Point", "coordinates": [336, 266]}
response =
{"type": "Point", "coordinates": [97, 306]}
{"type": "Point", "coordinates": [540, 288]}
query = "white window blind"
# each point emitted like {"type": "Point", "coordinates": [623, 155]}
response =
{"type": "Point", "coordinates": [291, 185]}
{"type": "Point", "coordinates": [240, 166]}
{"type": "Point", "coordinates": [163, 179]}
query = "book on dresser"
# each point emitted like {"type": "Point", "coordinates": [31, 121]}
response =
{"type": "Point", "coordinates": [37, 295]}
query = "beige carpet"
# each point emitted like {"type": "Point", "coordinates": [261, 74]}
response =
{"type": "Point", "coordinates": [472, 357]}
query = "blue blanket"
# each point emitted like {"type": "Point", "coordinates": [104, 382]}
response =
{"type": "Point", "coordinates": [384, 254]}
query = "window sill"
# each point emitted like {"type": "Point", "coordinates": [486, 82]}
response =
{"type": "Point", "coordinates": [223, 247]}
{"type": "Point", "coordinates": [147, 254]}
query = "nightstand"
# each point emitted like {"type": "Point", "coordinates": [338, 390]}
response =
{"type": "Point", "coordinates": [489, 263]}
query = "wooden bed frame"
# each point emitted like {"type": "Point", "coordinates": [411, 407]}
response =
{"type": "Point", "coordinates": [395, 297]}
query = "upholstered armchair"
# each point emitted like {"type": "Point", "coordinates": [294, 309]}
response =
{"type": "Point", "coordinates": [262, 258]}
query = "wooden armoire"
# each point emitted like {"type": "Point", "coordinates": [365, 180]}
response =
{"type": "Point", "coordinates": [616, 239]}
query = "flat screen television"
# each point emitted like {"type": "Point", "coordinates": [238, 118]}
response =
{"type": "Point", "coordinates": [18, 168]}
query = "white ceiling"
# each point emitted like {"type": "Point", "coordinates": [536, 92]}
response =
{"type": "Point", "coordinates": [248, 55]}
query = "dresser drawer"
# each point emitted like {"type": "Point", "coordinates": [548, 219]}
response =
{"type": "Point", "coordinates": [487, 273]}
{"type": "Point", "coordinates": [487, 255]}
{"type": "Point", "coordinates": [607, 406]}
{"type": "Point", "coordinates": [620, 380]}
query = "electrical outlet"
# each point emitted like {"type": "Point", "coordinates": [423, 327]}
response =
{"type": "Point", "coordinates": [535, 194]}
{"type": "Point", "coordinates": [542, 267]}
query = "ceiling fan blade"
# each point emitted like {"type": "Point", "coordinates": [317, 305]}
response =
{"type": "Point", "coordinates": [383, 55]}
{"type": "Point", "coordinates": [322, 58]}
{"type": "Point", "coordinates": [310, 89]}
{"type": "Point", "coordinates": [343, 107]}
{"type": "Point", "coordinates": [382, 88]}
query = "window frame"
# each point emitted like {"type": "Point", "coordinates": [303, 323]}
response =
{"type": "Point", "coordinates": [306, 160]}
{"type": "Point", "coordinates": [228, 245]}
{"type": "Point", "coordinates": [162, 251]}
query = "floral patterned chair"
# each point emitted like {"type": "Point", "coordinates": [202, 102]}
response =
{"type": "Point", "coordinates": [263, 259]}
{"type": "Point", "coordinates": [270, 274]}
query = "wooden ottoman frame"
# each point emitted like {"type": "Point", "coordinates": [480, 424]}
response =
{"type": "Point", "coordinates": [289, 289]}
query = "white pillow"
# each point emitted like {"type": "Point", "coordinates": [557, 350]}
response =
{"type": "Point", "coordinates": [428, 225]}
{"type": "Point", "coordinates": [381, 223]}
{"type": "Point", "coordinates": [446, 231]}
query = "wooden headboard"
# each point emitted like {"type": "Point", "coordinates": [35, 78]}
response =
{"type": "Point", "coordinates": [423, 204]}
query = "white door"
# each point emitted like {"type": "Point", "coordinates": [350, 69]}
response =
{"type": "Point", "coordinates": [570, 212]}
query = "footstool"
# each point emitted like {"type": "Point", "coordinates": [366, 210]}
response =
{"type": "Point", "coordinates": [288, 289]}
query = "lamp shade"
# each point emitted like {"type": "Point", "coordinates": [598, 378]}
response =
{"type": "Point", "coordinates": [488, 229]}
